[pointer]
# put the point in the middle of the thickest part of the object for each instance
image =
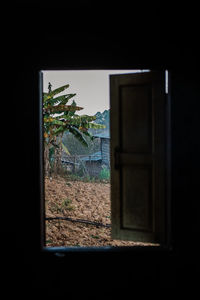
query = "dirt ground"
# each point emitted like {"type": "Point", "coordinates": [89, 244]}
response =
{"type": "Point", "coordinates": [78, 200]}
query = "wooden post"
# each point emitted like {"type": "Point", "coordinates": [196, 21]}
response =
{"type": "Point", "coordinates": [74, 164]}
{"type": "Point", "coordinates": [47, 166]}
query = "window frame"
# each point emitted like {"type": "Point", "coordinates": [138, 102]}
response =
{"type": "Point", "coordinates": [61, 251]}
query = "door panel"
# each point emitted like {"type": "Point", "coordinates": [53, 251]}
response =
{"type": "Point", "coordinates": [136, 121]}
{"type": "Point", "coordinates": [137, 204]}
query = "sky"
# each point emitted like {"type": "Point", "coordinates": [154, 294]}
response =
{"type": "Point", "coordinates": [90, 86]}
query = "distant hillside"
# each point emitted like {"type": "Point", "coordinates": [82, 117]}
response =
{"type": "Point", "coordinates": [104, 119]}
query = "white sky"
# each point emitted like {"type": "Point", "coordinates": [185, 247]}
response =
{"type": "Point", "coordinates": [91, 87]}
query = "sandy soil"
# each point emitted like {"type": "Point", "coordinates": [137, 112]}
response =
{"type": "Point", "coordinates": [78, 200]}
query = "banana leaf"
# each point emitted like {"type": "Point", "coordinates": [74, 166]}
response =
{"type": "Point", "coordinates": [78, 136]}
{"type": "Point", "coordinates": [65, 149]}
{"type": "Point", "coordinates": [61, 108]}
{"type": "Point", "coordinates": [57, 122]}
{"type": "Point", "coordinates": [58, 130]}
{"type": "Point", "coordinates": [54, 92]}
{"type": "Point", "coordinates": [62, 100]}
{"type": "Point", "coordinates": [85, 118]}
{"type": "Point", "coordinates": [95, 126]}
{"type": "Point", "coordinates": [89, 135]}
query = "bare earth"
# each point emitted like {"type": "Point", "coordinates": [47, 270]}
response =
{"type": "Point", "coordinates": [78, 200]}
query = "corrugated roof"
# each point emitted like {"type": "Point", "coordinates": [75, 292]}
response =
{"type": "Point", "coordinates": [105, 135]}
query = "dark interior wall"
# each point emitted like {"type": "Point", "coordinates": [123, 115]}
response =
{"type": "Point", "coordinates": [185, 157]}
{"type": "Point", "coordinates": [84, 36]}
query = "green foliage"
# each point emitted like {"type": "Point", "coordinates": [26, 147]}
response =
{"type": "Point", "coordinates": [67, 204]}
{"type": "Point", "coordinates": [59, 118]}
{"type": "Point", "coordinates": [85, 178]}
{"type": "Point", "coordinates": [104, 174]}
{"type": "Point", "coordinates": [67, 120]}
{"type": "Point", "coordinates": [78, 135]}
{"type": "Point", "coordinates": [65, 149]}
{"type": "Point", "coordinates": [51, 155]}
{"type": "Point", "coordinates": [47, 96]}
{"type": "Point", "coordinates": [95, 236]}
{"type": "Point", "coordinates": [49, 241]}
{"type": "Point", "coordinates": [76, 148]}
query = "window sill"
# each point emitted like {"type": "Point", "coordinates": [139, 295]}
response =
{"type": "Point", "coordinates": [61, 251]}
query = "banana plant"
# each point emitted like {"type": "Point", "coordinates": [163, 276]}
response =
{"type": "Point", "coordinates": [58, 117]}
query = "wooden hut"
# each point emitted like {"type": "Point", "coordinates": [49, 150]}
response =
{"type": "Point", "coordinates": [104, 147]}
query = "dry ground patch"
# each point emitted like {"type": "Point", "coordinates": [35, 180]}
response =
{"type": "Point", "coordinates": [78, 200]}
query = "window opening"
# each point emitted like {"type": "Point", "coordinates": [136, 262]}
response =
{"type": "Point", "coordinates": [76, 156]}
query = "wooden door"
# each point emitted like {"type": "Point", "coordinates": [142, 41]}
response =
{"type": "Point", "coordinates": [138, 156]}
